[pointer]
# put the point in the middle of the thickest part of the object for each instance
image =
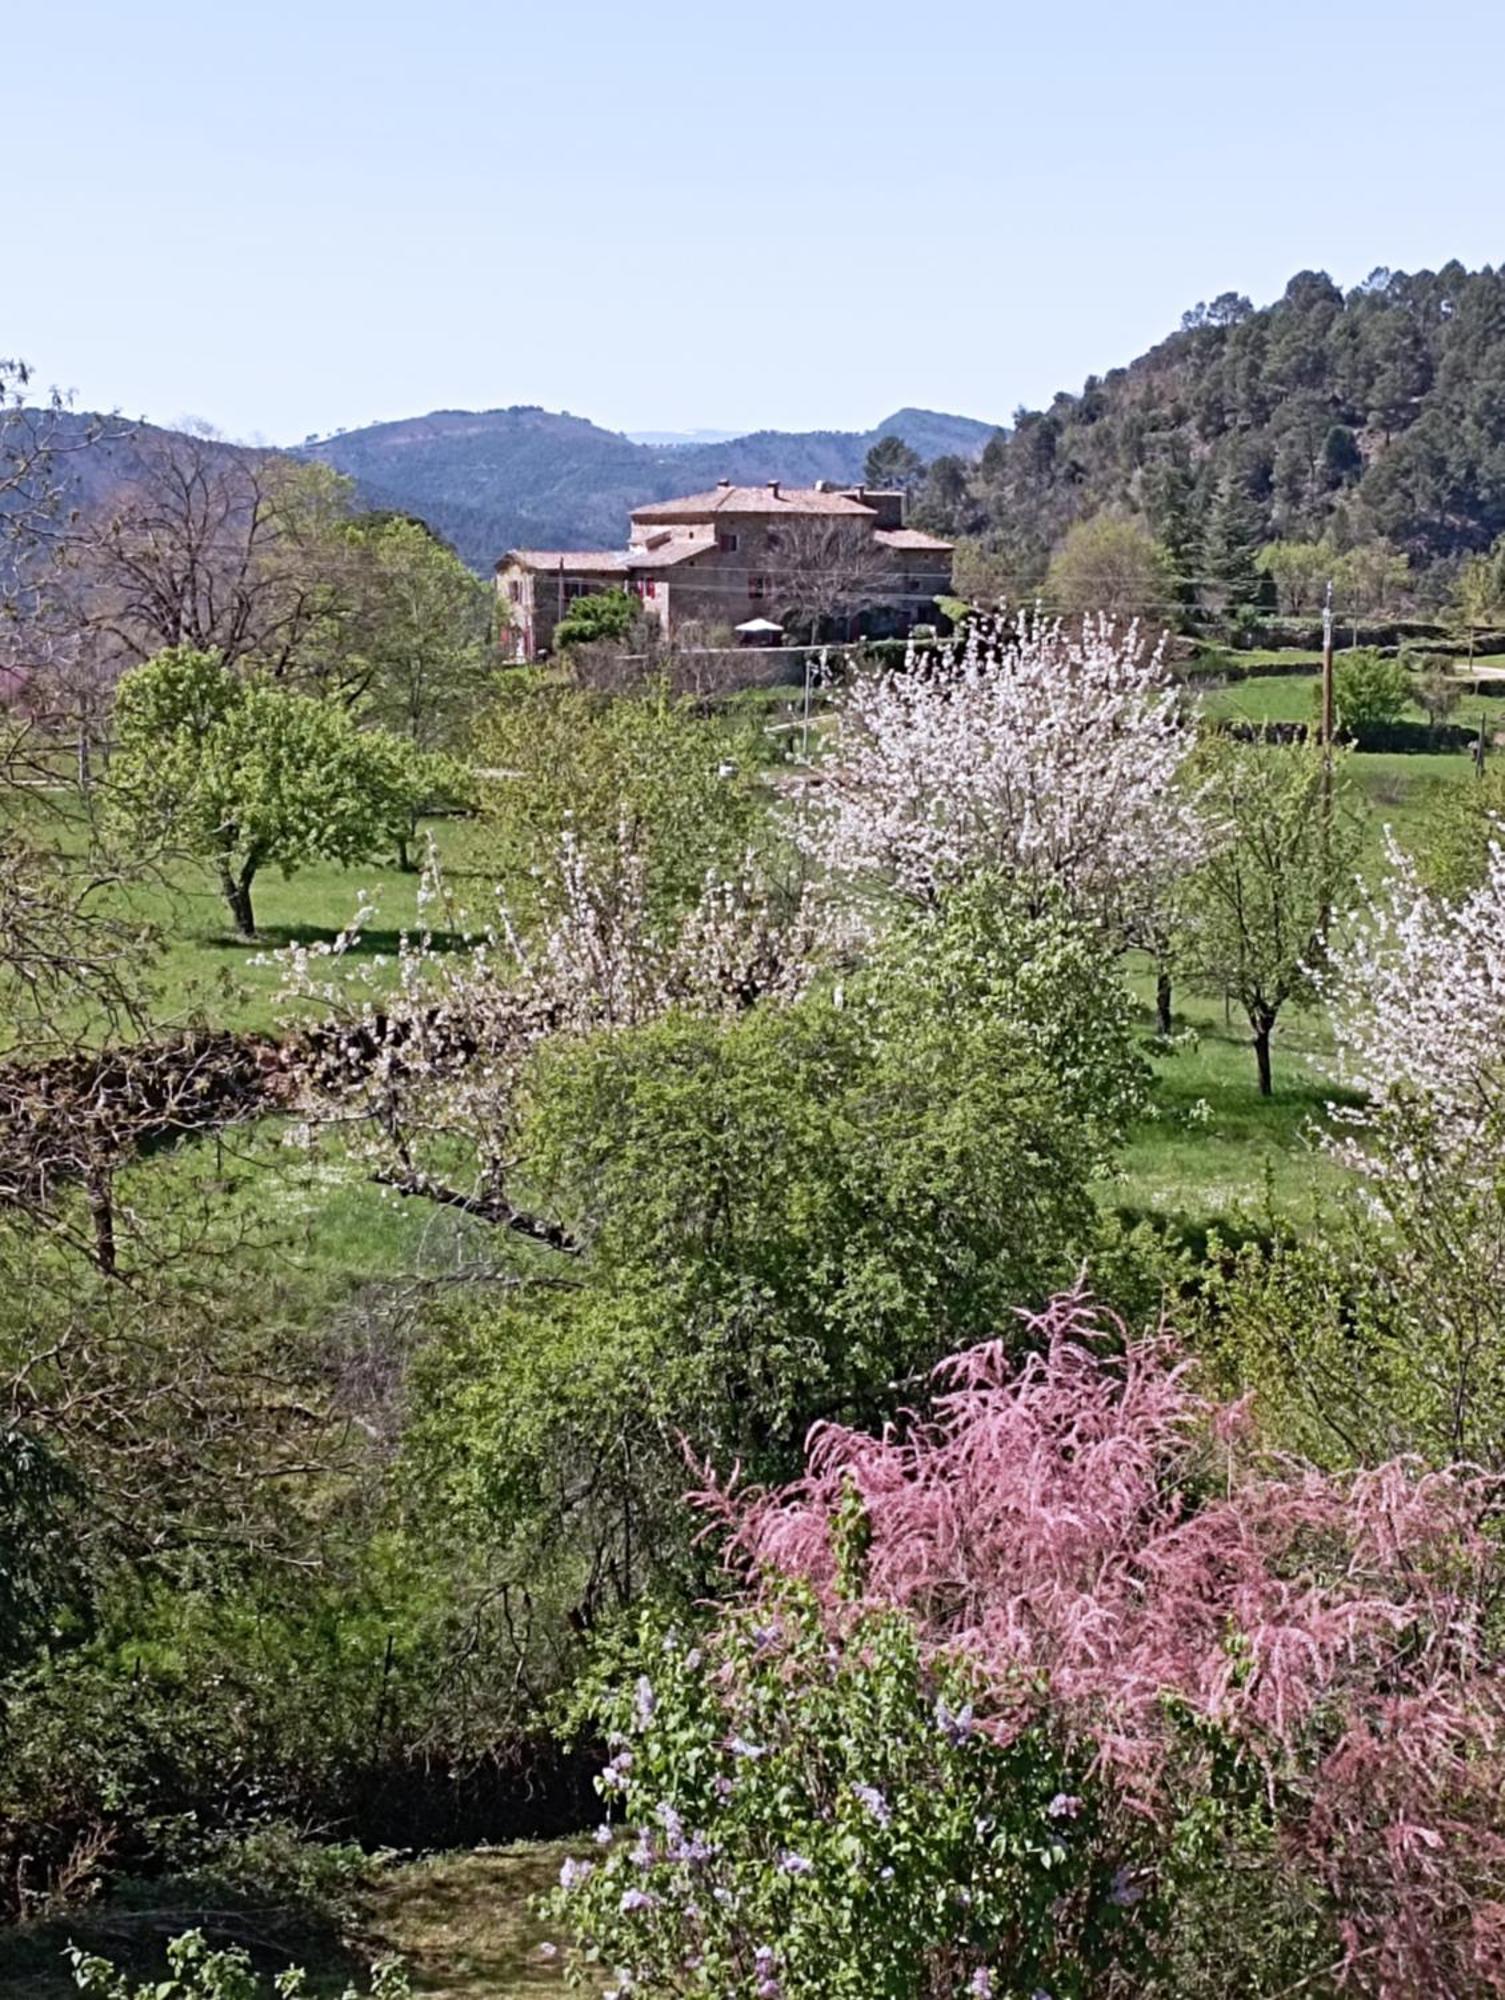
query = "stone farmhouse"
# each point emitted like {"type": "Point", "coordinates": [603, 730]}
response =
{"type": "Point", "coordinates": [759, 561]}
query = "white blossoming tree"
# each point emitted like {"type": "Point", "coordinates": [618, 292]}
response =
{"type": "Point", "coordinates": [1418, 1001]}
{"type": "Point", "coordinates": [1418, 996]}
{"type": "Point", "coordinates": [1045, 752]}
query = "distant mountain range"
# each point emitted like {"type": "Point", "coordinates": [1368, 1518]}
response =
{"type": "Point", "coordinates": [490, 480]}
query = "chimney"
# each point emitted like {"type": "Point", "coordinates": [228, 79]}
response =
{"type": "Point", "coordinates": [825, 486]}
{"type": "Point", "coordinates": [773, 487]}
{"type": "Point", "coordinates": [723, 486]}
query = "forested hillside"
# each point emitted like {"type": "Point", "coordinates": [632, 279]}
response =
{"type": "Point", "coordinates": [1375, 416]}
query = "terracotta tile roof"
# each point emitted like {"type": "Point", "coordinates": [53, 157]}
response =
{"type": "Point", "coordinates": [587, 562]}
{"type": "Point", "coordinates": [667, 554]}
{"type": "Point", "coordinates": [788, 500]}
{"type": "Point", "coordinates": [910, 538]}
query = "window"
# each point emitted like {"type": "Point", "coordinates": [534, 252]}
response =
{"type": "Point", "coordinates": [515, 591]}
{"type": "Point", "coordinates": [727, 542]}
{"type": "Point", "coordinates": [757, 586]}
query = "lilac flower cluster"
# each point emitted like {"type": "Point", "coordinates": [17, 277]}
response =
{"type": "Point", "coordinates": [958, 1726]}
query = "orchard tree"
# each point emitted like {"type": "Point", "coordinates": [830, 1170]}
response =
{"type": "Point", "coordinates": [1465, 825]}
{"type": "Point", "coordinates": [245, 775]}
{"type": "Point", "coordinates": [1112, 565]}
{"type": "Point", "coordinates": [1300, 572]}
{"type": "Point", "coordinates": [1418, 1000]}
{"type": "Point", "coordinates": [1419, 996]}
{"type": "Point", "coordinates": [1370, 577]}
{"type": "Point", "coordinates": [1259, 907]}
{"type": "Point", "coordinates": [70, 954]}
{"type": "Point", "coordinates": [639, 781]}
{"type": "Point", "coordinates": [1042, 754]}
{"type": "Point", "coordinates": [1479, 592]}
{"type": "Point", "coordinates": [214, 548]}
{"type": "Point", "coordinates": [1438, 690]}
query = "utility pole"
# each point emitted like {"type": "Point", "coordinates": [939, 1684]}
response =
{"type": "Point", "coordinates": [1327, 674]}
{"type": "Point", "coordinates": [1327, 725]}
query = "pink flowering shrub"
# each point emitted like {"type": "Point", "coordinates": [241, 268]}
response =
{"type": "Point", "coordinates": [1104, 1550]}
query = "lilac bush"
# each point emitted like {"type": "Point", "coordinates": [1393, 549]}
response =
{"type": "Point", "coordinates": [789, 1817]}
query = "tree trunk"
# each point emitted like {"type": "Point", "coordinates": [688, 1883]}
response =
{"type": "Point", "coordinates": [406, 840]}
{"type": "Point", "coordinates": [237, 893]}
{"type": "Point", "coordinates": [1262, 1057]}
{"type": "Point", "coordinates": [1163, 1000]}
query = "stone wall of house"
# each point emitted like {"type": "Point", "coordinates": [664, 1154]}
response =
{"type": "Point", "coordinates": [535, 600]}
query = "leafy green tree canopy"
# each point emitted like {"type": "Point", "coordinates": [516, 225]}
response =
{"type": "Point", "coordinates": [566, 764]}
{"type": "Point", "coordinates": [418, 643]}
{"type": "Point", "coordinates": [246, 775]}
{"type": "Point", "coordinates": [1258, 909]}
{"type": "Point", "coordinates": [1111, 564]}
{"type": "Point", "coordinates": [892, 465]}
{"type": "Point", "coordinates": [1369, 689]}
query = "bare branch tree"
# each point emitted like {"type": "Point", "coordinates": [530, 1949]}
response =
{"type": "Point", "coordinates": [217, 549]}
{"type": "Point", "coordinates": [824, 570]}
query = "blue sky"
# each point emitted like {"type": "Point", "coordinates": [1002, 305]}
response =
{"type": "Point", "coordinates": [295, 216]}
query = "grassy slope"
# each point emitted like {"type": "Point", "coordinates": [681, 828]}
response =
{"type": "Point", "coordinates": [1211, 1143]}
{"type": "Point", "coordinates": [1187, 1158]}
{"type": "Point", "coordinates": [463, 1923]}
{"type": "Point", "coordinates": [208, 969]}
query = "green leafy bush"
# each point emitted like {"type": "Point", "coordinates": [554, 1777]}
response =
{"type": "Point", "coordinates": [198, 1972]}
{"type": "Point", "coordinates": [601, 614]}
{"type": "Point", "coordinates": [566, 764]}
{"type": "Point", "coordinates": [1369, 688]}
